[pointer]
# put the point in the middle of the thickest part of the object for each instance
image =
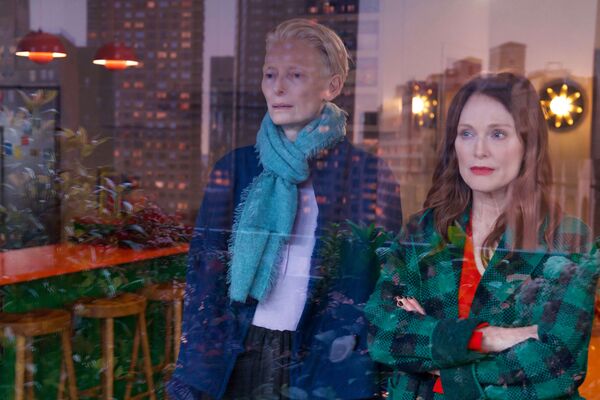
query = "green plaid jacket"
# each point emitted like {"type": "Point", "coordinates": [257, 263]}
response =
{"type": "Point", "coordinates": [552, 289]}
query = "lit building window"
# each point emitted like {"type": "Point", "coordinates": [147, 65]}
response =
{"type": "Point", "coordinates": [184, 96]}
{"type": "Point", "coordinates": [150, 4]}
{"type": "Point", "coordinates": [161, 115]}
{"type": "Point", "coordinates": [159, 184]}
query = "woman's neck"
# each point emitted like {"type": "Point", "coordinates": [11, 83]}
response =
{"type": "Point", "coordinates": [486, 208]}
{"type": "Point", "coordinates": [291, 133]}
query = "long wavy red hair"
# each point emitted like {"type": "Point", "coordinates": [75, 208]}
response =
{"type": "Point", "coordinates": [529, 194]}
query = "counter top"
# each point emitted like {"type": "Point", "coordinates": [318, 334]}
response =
{"type": "Point", "coordinates": [46, 261]}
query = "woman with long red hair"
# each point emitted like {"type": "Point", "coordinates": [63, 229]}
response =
{"type": "Point", "coordinates": [490, 291]}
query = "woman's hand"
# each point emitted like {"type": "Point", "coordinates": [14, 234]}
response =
{"type": "Point", "coordinates": [497, 339]}
{"type": "Point", "coordinates": [409, 304]}
{"type": "Point", "coordinates": [412, 305]}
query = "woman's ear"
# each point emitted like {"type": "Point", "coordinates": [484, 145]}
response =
{"type": "Point", "coordinates": [334, 88]}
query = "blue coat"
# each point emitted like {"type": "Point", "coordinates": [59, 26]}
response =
{"type": "Point", "coordinates": [349, 184]}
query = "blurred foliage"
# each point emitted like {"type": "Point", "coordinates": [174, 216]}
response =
{"type": "Point", "coordinates": [348, 250]}
{"type": "Point", "coordinates": [146, 226]}
{"type": "Point", "coordinates": [60, 292]}
{"type": "Point", "coordinates": [29, 219]}
{"type": "Point", "coordinates": [92, 209]}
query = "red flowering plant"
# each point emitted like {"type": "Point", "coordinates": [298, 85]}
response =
{"type": "Point", "coordinates": [141, 226]}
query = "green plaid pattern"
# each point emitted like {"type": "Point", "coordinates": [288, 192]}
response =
{"type": "Point", "coordinates": [553, 289]}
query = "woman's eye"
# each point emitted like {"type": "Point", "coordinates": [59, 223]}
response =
{"type": "Point", "coordinates": [466, 134]}
{"type": "Point", "coordinates": [498, 134]}
{"type": "Point", "coordinates": [268, 75]}
{"type": "Point", "coordinates": [297, 75]}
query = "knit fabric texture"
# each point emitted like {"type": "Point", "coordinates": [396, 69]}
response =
{"type": "Point", "coordinates": [553, 289]}
{"type": "Point", "coordinates": [265, 217]}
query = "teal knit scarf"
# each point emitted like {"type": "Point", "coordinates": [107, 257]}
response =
{"type": "Point", "coordinates": [265, 217]}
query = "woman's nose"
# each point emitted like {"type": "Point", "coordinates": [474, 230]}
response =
{"type": "Point", "coordinates": [279, 85]}
{"type": "Point", "coordinates": [481, 148]}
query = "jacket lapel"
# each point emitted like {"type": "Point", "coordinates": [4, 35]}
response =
{"type": "Point", "coordinates": [506, 271]}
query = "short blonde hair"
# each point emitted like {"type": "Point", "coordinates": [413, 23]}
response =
{"type": "Point", "coordinates": [318, 36]}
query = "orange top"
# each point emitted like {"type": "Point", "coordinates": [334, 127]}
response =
{"type": "Point", "coordinates": [469, 280]}
{"type": "Point", "coordinates": [45, 261]}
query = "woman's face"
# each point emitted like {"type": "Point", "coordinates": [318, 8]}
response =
{"type": "Point", "coordinates": [487, 145]}
{"type": "Point", "coordinates": [295, 84]}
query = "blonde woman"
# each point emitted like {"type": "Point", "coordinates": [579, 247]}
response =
{"type": "Point", "coordinates": [262, 318]}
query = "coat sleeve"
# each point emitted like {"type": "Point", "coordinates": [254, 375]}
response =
{"type": "Point", "coordinates": [409, 341]}
{"type": "Point", "coordinates": [211, 323]}
{"type": "Point", "coordinates": [561, 302]}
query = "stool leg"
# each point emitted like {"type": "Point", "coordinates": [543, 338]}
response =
{"type": "Point", "coordinates": [29, 367]}
{"type": "Point", "coordinates": [134, 360]}
{"type": "Point", "coordinates": [178, 307]}
{"type": "Point", "coordinates": [61, 383]}
{"type": "Point", "coordinates": [20, 367]}
{"type": "Point", "coordinates": [108, 344]}
{"type": "Point", "coordinates": [68, 362]}
{"type": "Point", "coordinates": [146, 352]}
{"type": "Point", "coordinates": [168, 334]}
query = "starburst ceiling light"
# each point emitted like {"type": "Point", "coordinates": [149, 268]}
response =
{"type": "Point", "coordinates": [563, 104]}
{"type": "Point", "coordinates": [115, 56]}
{"type": "Point", "coordinates": [40, 47]}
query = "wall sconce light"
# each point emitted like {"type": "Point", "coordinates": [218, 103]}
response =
{"type": "Point", "coordinates": [563, 104]}
{"type": "Point", "coordinates": [424, 104]}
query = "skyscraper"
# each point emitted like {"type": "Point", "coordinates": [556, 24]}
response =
{"type": "Point", "coordinates": [508, 57]}
{"type": "Point", "coordinates": [221, 106]}
{"type": "Point", "coordinates": [254, 20]}
{"type": "Point", "coordinates": [157, 106]}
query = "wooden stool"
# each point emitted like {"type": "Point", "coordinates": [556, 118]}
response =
{"type": "Point", "coordinates": [25, 326]}
{"type": "Point", "coordinates": [106, 309]}
{"type": "Point", "coordinates": [170, 293]}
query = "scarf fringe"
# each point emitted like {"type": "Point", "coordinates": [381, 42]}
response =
{"type": "Point", "coordinates": [237, 215]}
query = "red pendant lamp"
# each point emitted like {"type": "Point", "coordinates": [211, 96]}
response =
{"type": "Point", "coordinates": [40, 47]}
{"type": "Point", "coordinates": [115, 56]}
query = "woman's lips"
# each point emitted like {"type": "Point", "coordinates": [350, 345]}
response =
{"type": "Point", "coordinates": [281, 106]}
{"type": "Point", "coordinates": [482, 170]}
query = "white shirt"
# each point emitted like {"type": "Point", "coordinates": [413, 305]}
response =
{"type": "Point", "coordinates": [283, 307]}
